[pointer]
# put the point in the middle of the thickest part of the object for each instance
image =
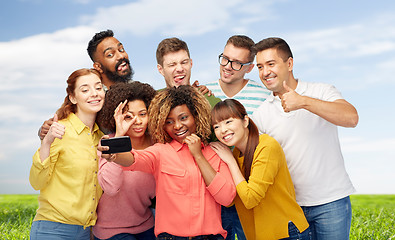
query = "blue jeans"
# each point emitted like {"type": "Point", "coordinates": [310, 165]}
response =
{"type": "Point", "coordinates": [294, 233]}
{"type": "Point", "coordinates": [331, 220]}
{"type": "Point", "coordinates": [147, 235]}
{"type": "Point", "coordinates": [47, 230]}
{"type": "Point", "coordinates": [231, 223]}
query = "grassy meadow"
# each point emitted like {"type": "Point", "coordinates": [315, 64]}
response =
{"type": "Point", "coordinates": [373, 216]}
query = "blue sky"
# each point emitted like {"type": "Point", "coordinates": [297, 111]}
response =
{"type": "Point", "coordinates": [350, 44]}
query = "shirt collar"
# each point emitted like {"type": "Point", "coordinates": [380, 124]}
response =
{"type": "Point", "coordinates": [300, 89]}
{"type": "Point", "coordinates": [78, 125]}
{"type": "Point", "coordinates": [271, 97]}
{"type": "Point", "coordinates": [178, 146]}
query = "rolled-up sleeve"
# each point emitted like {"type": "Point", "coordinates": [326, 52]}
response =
{"type": "Point", "coordinates": [222, 188]}
{"type": "Point", "coordinates": [40, 172]}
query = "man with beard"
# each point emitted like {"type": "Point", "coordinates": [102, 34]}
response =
{"type": "Point", "coordinates": [110, 59]}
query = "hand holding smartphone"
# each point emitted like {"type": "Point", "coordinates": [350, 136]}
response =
{"type": "Point", "coordinates": [117, 144]}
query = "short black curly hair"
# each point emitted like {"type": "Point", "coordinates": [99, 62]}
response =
{"type": "Point", "coordinates": [118, 93]}
{"type": "Point", "coordinates": [96, 39]}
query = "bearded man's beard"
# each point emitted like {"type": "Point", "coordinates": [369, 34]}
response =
{"type": "Point", "coordinates": [116, 77]}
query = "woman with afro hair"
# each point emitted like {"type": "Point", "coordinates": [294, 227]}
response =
{"type": "Point", "coordinates": [124, 208]}
{"type": "Point", "coordinates": [192, 182]}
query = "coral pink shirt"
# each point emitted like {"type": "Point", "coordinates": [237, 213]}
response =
{"type": "Point", "coordinates": [185, 206]}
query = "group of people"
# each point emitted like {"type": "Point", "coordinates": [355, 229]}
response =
{"type": "Point", "coordinates": [273, 170]}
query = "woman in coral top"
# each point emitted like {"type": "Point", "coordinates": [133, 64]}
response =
{"type": "Point", "coordinates": [265, 198]}
{"type": "Point", "coordinates": [192, 182]}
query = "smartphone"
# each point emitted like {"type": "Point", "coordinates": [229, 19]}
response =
{"type": "Point", "coordinates": [117, 144]}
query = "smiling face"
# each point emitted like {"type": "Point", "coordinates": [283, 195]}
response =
{"type": "Point", "coordinates": [232, 131]}
{"type": "Point", "coordinates": [273, 70]}
{"type": "Point", "coordinates": [88, 94]}
{"type": "Point", "coordinates": [137, 108]}
{"type": "Point", "coordinates": [180, 123]}
{"type": "Point", "coordinates": [176, 68]}
{"type": "Point", "coordinates": [112, 60]}
{"type": "Point", "coordinates": [241, 55]}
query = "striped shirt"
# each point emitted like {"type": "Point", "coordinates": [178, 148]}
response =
{"type": "Point", "coordinates": [252, 95]}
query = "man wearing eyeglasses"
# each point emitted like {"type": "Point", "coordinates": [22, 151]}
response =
{"type": "Point", "coordinates": [234, 63]}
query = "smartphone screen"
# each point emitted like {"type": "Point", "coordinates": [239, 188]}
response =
{"type": "Point", "coordinates": [117, 144]}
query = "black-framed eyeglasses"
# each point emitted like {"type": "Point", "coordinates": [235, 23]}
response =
{"type": "Point", "coordinates": [235, 65]}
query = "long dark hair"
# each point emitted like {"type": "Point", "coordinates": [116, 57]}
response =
{"type": "Point", "coordinates": [231, 108]}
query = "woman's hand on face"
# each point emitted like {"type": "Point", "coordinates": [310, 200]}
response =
{"type": "Point", "coordinates": [194, 143]}
{"type": "Point", "coordinates": [223, 152]}
{"type": "Point", "coordinates": [123, 121]}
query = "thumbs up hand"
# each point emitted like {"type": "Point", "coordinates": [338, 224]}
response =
{"type": "Point", "coordinates": [56, 130]}
{"type": "Point", "coordinates": [290, 100]}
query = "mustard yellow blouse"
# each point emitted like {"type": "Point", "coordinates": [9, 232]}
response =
{"type": "Point", "coordinates": [266, 203]}
{"type": "Point", "coordinates": [67, 179]}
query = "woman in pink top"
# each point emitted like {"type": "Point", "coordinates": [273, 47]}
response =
{"type": "Point", "coordinates": [124, 208]}
{"type": "Point", "coordinates": [192, 182]}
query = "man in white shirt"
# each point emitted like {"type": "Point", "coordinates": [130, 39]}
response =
{"type": "Point", "coordinates": [303, 117]}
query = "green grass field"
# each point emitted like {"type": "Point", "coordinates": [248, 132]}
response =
{"type": "Point", "coordinates": [373, 216]}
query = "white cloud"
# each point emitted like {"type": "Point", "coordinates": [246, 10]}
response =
{"type": "Point", "coordinates": [373, 36]}
{"type": "Point", "coordinates": [351, 56]}
{"type": "Point", "coordinates": [43, 59]}
{"type": "Point", "coordinates": [33, 71]}
{"type": "Point", "coordinates": [370, 164]}
{"type": "Point", "coordinates": [362, 145]}
{"type": "Point", "coordinates": [177, 17]}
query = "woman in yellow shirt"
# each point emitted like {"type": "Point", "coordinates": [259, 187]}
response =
{"type": "Point", "coordinates": [65, 166]}
{"type": "Point", "coordinates": [265, 200]}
